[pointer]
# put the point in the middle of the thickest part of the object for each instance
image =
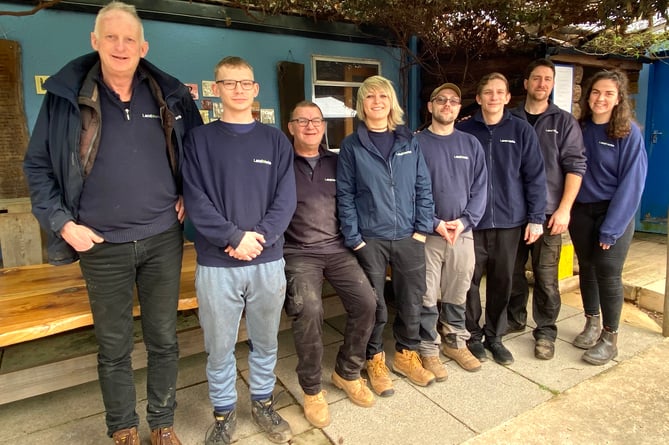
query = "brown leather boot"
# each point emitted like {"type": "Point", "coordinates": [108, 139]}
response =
{"type": "Point", "coordinates": [434, 365]}
{"type": "Point", "coordinates": [604, 351]}
{"type": "Point", "coordinates": [126, 436]}
{"type": "Point", "coordinates": [316, 409]}
{"type": "Point", "coordinates": [379, 375]}
{"type": "Point", "coordinates": [588, 337]}
{"type": "Point", "coordinates": [164, 436]}
{"type": "Point", "coordinates": [356, 390]}
{"type": "Point", "coordinates": [408, 364]}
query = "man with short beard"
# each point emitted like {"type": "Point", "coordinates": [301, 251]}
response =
{"type": "Point", "coordinates": [459, 178]}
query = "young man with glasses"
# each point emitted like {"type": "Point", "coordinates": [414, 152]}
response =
{"type": "Point", "coordinates": [239, 191]}
{"type": "Point", "coordinates": [315, 250]}
{"type": "Point", "coordinates": [459, 175]}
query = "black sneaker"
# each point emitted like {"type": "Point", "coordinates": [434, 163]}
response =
{"type": "Point", "coordinates": [499, 353]}
{"type": "Point", "coordinates": [477, 350]}
{"type": "Point", "coordinates": [221, 432]}
{"type": "Point", "coordinates": [264, 415]}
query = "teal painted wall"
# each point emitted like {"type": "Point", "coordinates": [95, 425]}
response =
{"type": "Point", "coordinates": [51, 38]}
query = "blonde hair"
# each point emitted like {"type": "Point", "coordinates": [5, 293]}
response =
{"type": "Point", "coordinates": [381, 84]}
{"type": "Point", "coordinates": [232, 61]}
{"type": "Point", "coordinates": [118, 6]}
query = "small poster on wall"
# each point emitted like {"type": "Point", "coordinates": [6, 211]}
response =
{"type": "Point", "coordinates": [564, 86]}
{"type": "Point", "coordinates": [208, 88]}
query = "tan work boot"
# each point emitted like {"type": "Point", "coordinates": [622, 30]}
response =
{"type": "Point", "coordinates": [127, 436]}
{"type": "Point", "coordinates": [316, 409]}
{"type": "Point", "coordinates": [164, 436]}
{"type": "Point", "coordinates": [408, 364]}
{"type": "Point", "coordinates": [356, 390]}
{"type": "Point", "coordinates": [434, 365]}
{"type": "Point", "coordinates": [379, 375]}
{"type": "Point", "coordinates": [462, 357]}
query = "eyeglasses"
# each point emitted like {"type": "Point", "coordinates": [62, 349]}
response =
{"type": "Point", "coordinates": [229, 84]}
{"type": "Point", "coordinates": [452, 101]}
{"type": "Point", "coordinates": [303, 122]}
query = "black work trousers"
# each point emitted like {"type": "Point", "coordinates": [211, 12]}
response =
{"type": "Point", "coordinates": [495, 253]}
{"type": "Point", "coordinates": [304, 285]}
{"type": "Point", "coordinates": [406, 258]}
{"type": "Point", "coordinates": [546, 303]}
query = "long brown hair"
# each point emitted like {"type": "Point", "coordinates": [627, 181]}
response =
{"type": "Point", "coordinates": [620, 124]}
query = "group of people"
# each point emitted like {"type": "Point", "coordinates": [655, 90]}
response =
{"type": "Point", "coordinates": [119, 156]}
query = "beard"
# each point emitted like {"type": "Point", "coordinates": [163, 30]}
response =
{"type": "Point", "coordinates": [443, 120]}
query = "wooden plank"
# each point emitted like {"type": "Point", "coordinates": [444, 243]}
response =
{"type": "Point", "coordinates": [38, 380]}
{"type": "Point", "coordinates": [41, 300]}
{"type": "Point", "coordinates": [20, 239]}
{"type": "Point", "coordinates": [15, 205]}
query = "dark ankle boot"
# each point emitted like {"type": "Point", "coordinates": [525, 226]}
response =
{"type": "Point", "coordinates": [588, 338]}
{"type": "Point", "coordinates": [604, 351]}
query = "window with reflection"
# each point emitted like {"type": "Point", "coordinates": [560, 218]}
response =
{"type": "Point", "coordinates": [335, 86]}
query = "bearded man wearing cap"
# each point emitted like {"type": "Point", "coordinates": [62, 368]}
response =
{"type": "Point", "coordinates": [456, 162]}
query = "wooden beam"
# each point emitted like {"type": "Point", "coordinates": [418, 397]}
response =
{"type": "Point", "coordinates": [597, 62]}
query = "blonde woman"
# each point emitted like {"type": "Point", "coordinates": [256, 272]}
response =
{"type": "Point", "coordinates": [385, 210]}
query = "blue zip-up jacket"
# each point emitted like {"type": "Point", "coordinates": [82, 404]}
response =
{"type": "Point", "coordinates": [616, 173]}
{"type": "Point", "coordinates": [64, 142]}
{"type": "Point", "coordinates": [561, 142]}
{"type": "Point", "coordinates": [378, 198]}
{"type": "Point", "coordinates": [459, 176]}
{"type": "Point", "coordinates": [516, 177]}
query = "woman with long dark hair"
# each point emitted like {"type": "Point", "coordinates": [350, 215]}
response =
{"type": "Point", "coordinates": [602, 222]}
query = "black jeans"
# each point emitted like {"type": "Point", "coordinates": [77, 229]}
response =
{"type": "Point", "coordinates": [304, 285]}
{"type": "Point", "coordinates": [546, 301]}
{"type": "Point", "coordinates": [111, 272]}
{"type": "Point", "coordinates": [495, 252]}
{"type": "Point", "coordinates": [600, 271]}
{"type": "Point", "coordinates": [407, 260]}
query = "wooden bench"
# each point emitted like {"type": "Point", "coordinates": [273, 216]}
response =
{"type": "Point", "coordinates": [42, 300]}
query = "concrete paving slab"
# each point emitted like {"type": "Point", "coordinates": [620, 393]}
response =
{"type": "Point", "coordinates": [614, 408]}
{"type": "Point", "coordinates": [20, 420]}
{"type": "Point", "coordinates": [485, 398]}
{"type": "Point", "coordinates": [564, 371]}
{"type": "Point", "coordinates": [405, 418]}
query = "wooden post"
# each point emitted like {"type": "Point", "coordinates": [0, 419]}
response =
{"type": "Point", "coordinates": [665, 314]}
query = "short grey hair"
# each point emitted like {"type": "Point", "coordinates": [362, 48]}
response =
{"type": "Point", "coordinates": [117, 6]}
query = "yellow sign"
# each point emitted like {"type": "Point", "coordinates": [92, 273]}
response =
{"type": "Point", "coordinates": [39, 84]}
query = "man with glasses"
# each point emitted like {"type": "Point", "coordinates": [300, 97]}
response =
{"type": "Point", "coordinates": [239, 190]}
{"type": "Point", "coordinates": [459, 180]}
{"type": "Point", "coordinates": [315, 249]}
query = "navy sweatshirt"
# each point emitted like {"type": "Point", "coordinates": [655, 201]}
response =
{"type": "Point", "coordinates": [235, 183]}
{"type": "Point", "coordinates": [132, 156]}
{"type": "Point", "coordinates": [617, 173]}
{"type": "Point", "coordinates": [459, 176]}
